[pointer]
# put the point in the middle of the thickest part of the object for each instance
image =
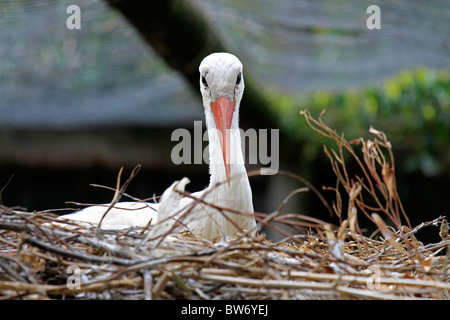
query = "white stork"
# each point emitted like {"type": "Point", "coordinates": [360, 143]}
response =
{"type": "Point", "coordinates": [221, 86]}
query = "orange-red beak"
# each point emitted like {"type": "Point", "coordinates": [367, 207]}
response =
{"type": "Point", "coordinates": [223, 109]}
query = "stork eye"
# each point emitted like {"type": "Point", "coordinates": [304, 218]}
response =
{"type": "Point", "coordinates": [238, 80]}
{"type": "Point", "coordinates": [204, 81]}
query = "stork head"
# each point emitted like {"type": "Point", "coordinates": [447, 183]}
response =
{"type": "Point", "coordinates": [222, 86]}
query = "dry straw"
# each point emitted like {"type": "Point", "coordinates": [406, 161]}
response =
{"type": "Point", "coordinates": [42, 257]}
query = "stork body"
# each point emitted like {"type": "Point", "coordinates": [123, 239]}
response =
{"type": "Point", "coordinates": [222, 86]}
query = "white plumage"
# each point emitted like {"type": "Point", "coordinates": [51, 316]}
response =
{"type": "Point", "coordinates": [222, 87]}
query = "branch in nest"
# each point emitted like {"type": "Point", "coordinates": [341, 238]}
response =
{"type": "Point", "coordinates": [376, 182]}
{"type": "Point", "coordinates": [119, 191]}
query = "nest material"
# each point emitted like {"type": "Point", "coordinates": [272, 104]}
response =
{"type": "Point", "coordinates": [42, 257]}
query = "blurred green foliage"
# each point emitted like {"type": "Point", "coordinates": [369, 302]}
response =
{"type": "Point", "coordinates": [412, 108]}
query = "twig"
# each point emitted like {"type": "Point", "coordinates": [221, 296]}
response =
{"type": "Point", "coordinates": [66, 253]}
{"type": "Point", "coordinates": [119, 192]}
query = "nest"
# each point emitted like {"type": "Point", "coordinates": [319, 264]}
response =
{"type": "Point", "coordinates": [42, 257]}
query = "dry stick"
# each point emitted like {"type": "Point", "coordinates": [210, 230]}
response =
{"type": "Point", "coordinates": [124, 194]}
{"type": "Point", "coordinates": [41, 230]}
{"type": "Point", "coordinates": [334, 160]}
{"type": "Point", "coordinates": [374, 294]}
{"type": "Point", "coordinates": [288, 197]}
{"type": "Point", "coordinates": [148, 285]}
{"type": "Point", "coordinates": [119, 192]}
{"type": "Point", "coordinates": [154, 263]}
{"type": "Point", "coordinates": [258, 240]}
{"type": "Point", "coordinates": [394, 217]}
{"type": "Point", "coordinates": [344, 167]}
{"type": "Point", "coordinates": [333, 135]}
{"type": "Point", "coordinates": [387, 234]}
{"type": "Point", "coordinates": [302, 180]}
{"type": "Point", "coordinates": [161, 284]}
{"type": "Point", "coordinates": [62, 235]}
{"type": "Point", "coordinates": [397, 197]}
{"type": "Point", "coordinates": [63, 288]}
{"type": "Point", "coordinates": [20, 227]}
{"type": "Point", "coordinates": [369, 161]}
{"type": "Point", "coordinates": [337, 206]}
{"type": "Point", "coordinates": [281, 206]}
{"type": "Point", "coordinates": [286, 284]}
{"type": "Point", "coordinates": [388, 173]}
{"type": "Point", "coordinates": [389, 184]}
{"type": "Point", "coordinates": [441, 285]}
{"type": "Point", "coordinates": [13, 274]}
{"type": "Point", "coordinates": [76, 255]}
{"type": "Point", "coordinates": [290, 219]}
{"type": "Point", "coordinates": [300, 274]}
{"type": "Point", "coordinates": [275, 228]}
{"type": "Point", "coordinates": [370, 157]}
{"type": "Point", "coordinates": [234, 266]}
{"type": "Point", "coordinates": [3, 188]}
